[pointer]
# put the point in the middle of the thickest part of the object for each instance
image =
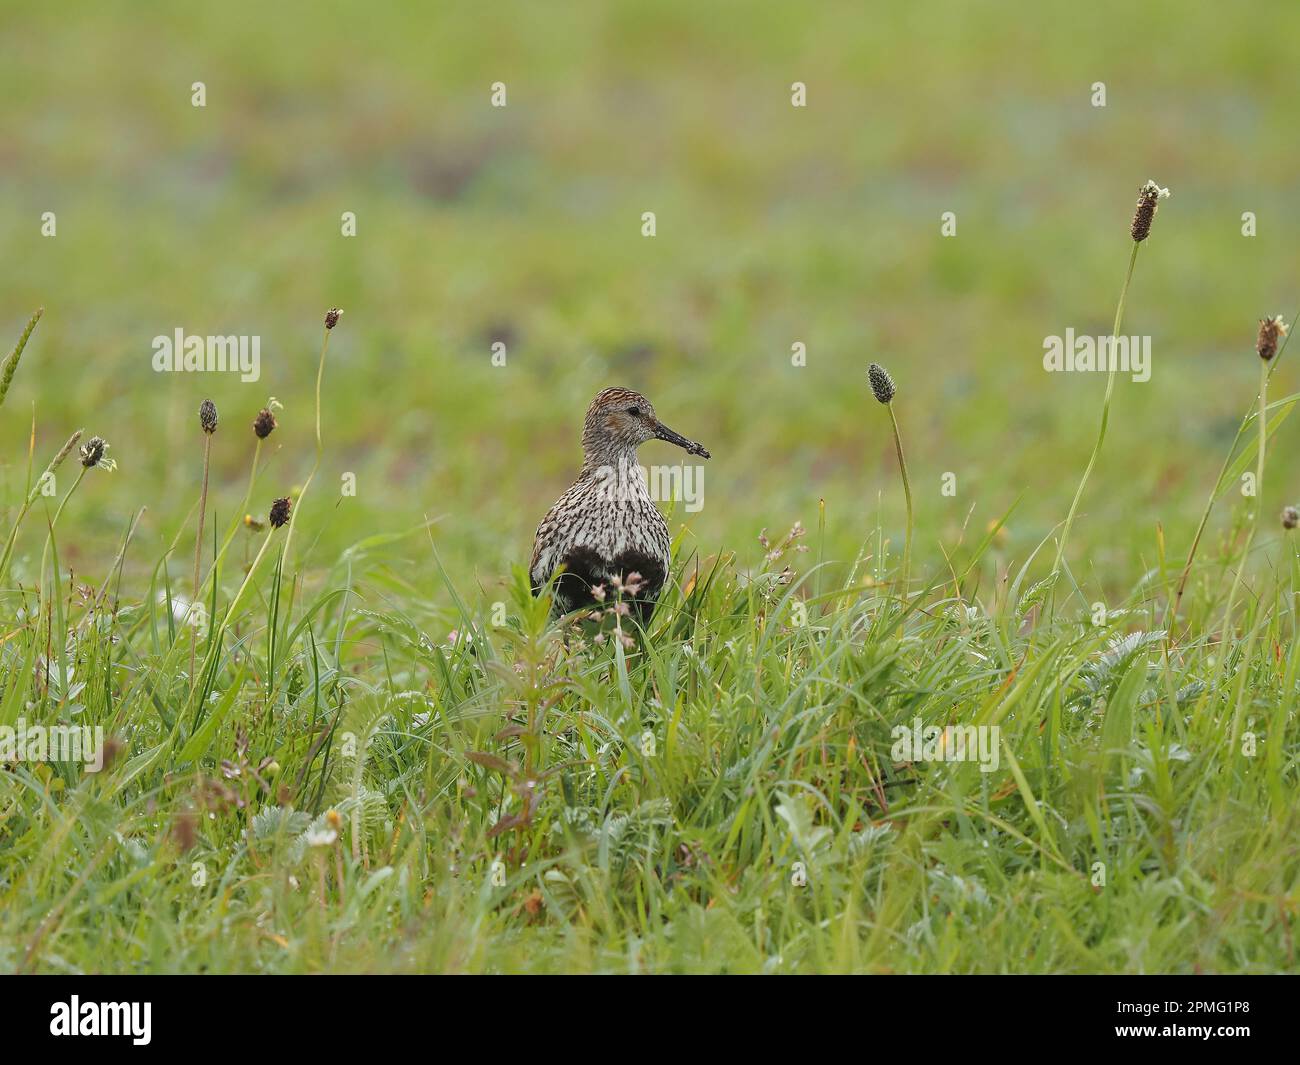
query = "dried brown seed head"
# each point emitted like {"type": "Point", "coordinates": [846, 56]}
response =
{"type": "Point", "coordinates": [92, 453]}
{"type": "Point", "coordinates": [280, 511]}
{"type": "Point", "coordinates": [1149, 197]}
{"type": "Point", "coordinates": [1271, 331]}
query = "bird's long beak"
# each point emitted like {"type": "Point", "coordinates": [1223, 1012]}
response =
{"type": "Point", "coordinates": [689, 446]}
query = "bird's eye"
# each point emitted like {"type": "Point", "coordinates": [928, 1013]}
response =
{"type": "Point", "coordinates": [634, 411]}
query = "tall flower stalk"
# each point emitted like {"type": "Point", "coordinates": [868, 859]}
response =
{"type": "Point", "coordinates": [279, 515]}
{"type": "Point", "coordinates": [882, 387]}
{"type": "Point", "coordinates": [93, 455]}
{"type": "Point", "coordinates": [1185, 575]}
{"type": "Point", "coordinates": [1271, 331]}
{"type": "Point", "coordinates": [208, 423]}
{"type": "Point", "coordinates": [331, 320]}
{"type": "Point", "coordinates": [1149, 198]}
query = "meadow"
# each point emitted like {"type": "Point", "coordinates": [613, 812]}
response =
{"type": "Point", "coordinates": [373, 750]}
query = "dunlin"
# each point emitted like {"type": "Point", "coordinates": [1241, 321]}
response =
{"type": "Point", "coordinates": [606, 527]}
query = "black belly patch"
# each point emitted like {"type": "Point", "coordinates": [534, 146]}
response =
{"type": "Point", "coordinates": [584, 568]}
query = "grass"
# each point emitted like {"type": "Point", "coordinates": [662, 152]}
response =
{"type": "Point", "coordinates": [349, 791]}
{"type": "Point", "coordinates": [386, 756]}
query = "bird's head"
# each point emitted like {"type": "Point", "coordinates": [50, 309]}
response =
{"type": "Point", "coordinates": [620, 420]}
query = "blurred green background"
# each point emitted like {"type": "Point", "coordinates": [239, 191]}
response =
{"type": "Point", "coordinates": [523, 224]}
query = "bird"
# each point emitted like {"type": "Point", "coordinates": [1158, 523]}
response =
{"type": "Point", "coordinates": [606, 530]}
